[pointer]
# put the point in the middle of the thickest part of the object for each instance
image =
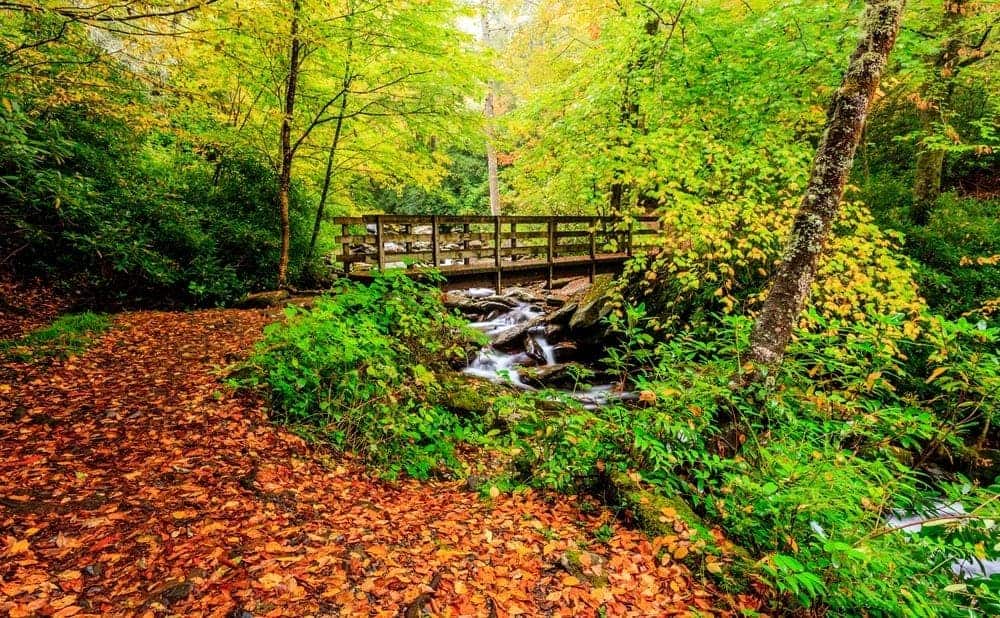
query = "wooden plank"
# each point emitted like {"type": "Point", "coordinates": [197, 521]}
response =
{"type": "Point", "coordinates": [496, 253]}
{"type": "Point", "coordinates": [593, 251]}
{"type": "Point", "coordinates": [380, 243]}
{"type": "Point", "coordinates": [550, 254]}
{"type": "Point", "coordinates": [465, 244]}
{"type": "Point", "coordinates": [434, 242]}
{"type": "Point", "coordinates": [345, 245]}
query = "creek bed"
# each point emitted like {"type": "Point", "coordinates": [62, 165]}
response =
{"type": "Point", "coordinates": [536, 355]}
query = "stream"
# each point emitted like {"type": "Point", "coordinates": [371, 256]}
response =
{"type": "Point", "coordinates": [509, 367]}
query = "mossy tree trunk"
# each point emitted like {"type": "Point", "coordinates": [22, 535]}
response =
{"type": "Point", "coordinates": [831, 168]}
{"type": "Point", "coordinates": [932, 104]}
{"type": "Point", "coordinates": [927, 184]}
{"type": "Point", "coordinates": [489, 111]}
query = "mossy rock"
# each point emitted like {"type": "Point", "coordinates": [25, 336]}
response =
{"type": "Point", "coordinates": [467, 396]}
{"type": "Point", "coordinates": [594, 305]}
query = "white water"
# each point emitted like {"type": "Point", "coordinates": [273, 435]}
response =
{"type": "Point", "coordinates": [496, 366]}
{"type": "Point", "coordinates": [548, 350]}
{"type": "Point", "coordinates": [966, 568]}
{"type": "Point", "coordinates": [492, 364]}
{"type": "Point", "coordinates": [522, 312]}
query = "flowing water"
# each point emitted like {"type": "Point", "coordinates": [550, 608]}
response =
{"type": "Point", "coordinates": [912, 524]}
{"type": "Point", "coordinates": [502, 367]}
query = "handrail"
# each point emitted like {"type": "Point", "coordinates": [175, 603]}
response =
{"type": "Point", "coordinates": [490, 244]}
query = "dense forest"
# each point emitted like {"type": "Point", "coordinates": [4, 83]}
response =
{"type": "Point", "coordinates": [785, 402]}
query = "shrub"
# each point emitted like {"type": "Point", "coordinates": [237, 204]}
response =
{"type": "Point", "coordinates": [136, 215]}
{"type": "Point", "coordinates": [718, 257]}
{"type": "Point", "coordinates": [358, 371]}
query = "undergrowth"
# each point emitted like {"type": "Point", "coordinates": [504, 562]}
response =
{"type": "Point", "coordinates": [358, 372]}
{"type": "Point", "coordinates": [813, 472]}
{"type": "Point", "coordinates": [67, 336]}
{"type": "Point", "coordinates": [809, 472]}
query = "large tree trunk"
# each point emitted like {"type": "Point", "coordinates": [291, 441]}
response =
{"type": "Point", "coordinates": [831, 167]}
{"type": "Point", "coordinates": [630, 115]}
{"type": "Point", "coordinates": [492, 166]}
{"type": "Point", "coordinates": [287, 150]}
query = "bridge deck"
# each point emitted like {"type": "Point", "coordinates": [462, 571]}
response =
{"type": "Point", "coordinates": [490, 250]}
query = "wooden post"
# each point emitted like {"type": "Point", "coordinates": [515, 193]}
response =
{"type": "Point", "coordinates": [496, 253]}
{"type": "Point", "coordinates": [407, 246]}
{"type": "Point", "coordinates": [345, 247]}
{"type": "Point", "coordinates": [465, 244]}
{"type": "Point", "coordinates": [593, 250]}
{"type": "Point", "coordinates": [550, 251]}
{"type": "Point", "coordinates": [434, 241]}
{"type": "Point", "coordinates": [628, 240]}
{"type": "Point", "coordinates": [513, 239]}
{"type": "Point", "coordinates": [380, 246]}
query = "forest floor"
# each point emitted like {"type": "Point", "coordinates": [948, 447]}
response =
{"type": "Point", "coordinates": [132, 482]}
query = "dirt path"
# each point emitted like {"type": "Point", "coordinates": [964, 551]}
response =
{"type": "Point", "coordinates": [133, 483]}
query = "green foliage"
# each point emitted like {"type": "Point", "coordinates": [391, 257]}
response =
{"type": "Point", "coordinates": [805, 474]}
{"type": "Point", "coordinates": [68, 336]}
{"type": "Point", "coordinates": [465, 190]}
{"type": "Point", "coordinates": [137, 215]}
{"type": "Point", "coordinates": [358, 371]}
{"type": "Point", "coordinates": [960, 231]}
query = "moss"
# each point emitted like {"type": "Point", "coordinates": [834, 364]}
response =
{"type": "Point", "coordinates": [467, 396]}
{"type": "Point", "coordinates": [67, 336]}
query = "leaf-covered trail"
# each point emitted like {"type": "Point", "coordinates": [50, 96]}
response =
{"type": "Point", "coordinates": [132, 483]}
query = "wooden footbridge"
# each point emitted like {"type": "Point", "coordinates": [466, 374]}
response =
{"type": "Point", "coordinates": [491, 251]}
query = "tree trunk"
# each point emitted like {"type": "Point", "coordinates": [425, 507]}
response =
{"type": "Point", "coordinates": [287, 151]}
{"type": "Point", "coordinates": [831, 167]}
{"type": "Point", "coordinates": [493, 169]}
{"type": "Point", "coordinates": [327, 178]}
{"type": "Point", "coordinates": [930, 160]}
{"type": "Point", "coordinates": [328, 175]}
{"type": "Point", "coordinates": [926, 185]}
{"type": "Point", "coordinates": [491, 159]}
{"type": "Point", "coordinates": [629, 113]}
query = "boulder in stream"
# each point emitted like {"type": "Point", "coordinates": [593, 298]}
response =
{"type": "Point", "coordinates": [524, 295]}
{"type": "Point", "coordinates": [565, 351]}
{"type": "Point", "coordinates": [594, 306]}
{"type": "Point", "coordinates": [513, 338]}
{"type": "Point", "coordinates": [560, 376]}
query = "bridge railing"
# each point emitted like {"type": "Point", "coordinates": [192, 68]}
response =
{"type": "Point", "coordinates": [481, 244]}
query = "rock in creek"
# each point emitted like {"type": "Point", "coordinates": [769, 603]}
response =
{"type": "Point", "coordinates": [523, 295]}
{"type": "Point", "coordinates": [594, 306]}
{"type": "Point", "coordinates": [513, 337]}
{"type": "Point", "coordinates": [566, 351]}
{"type": "Point", "coordinates": [551, 376]}
{"type": "Point", "coordinates": [534, 349]}
{"type": "Point", "coordinates": [563, 315]}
